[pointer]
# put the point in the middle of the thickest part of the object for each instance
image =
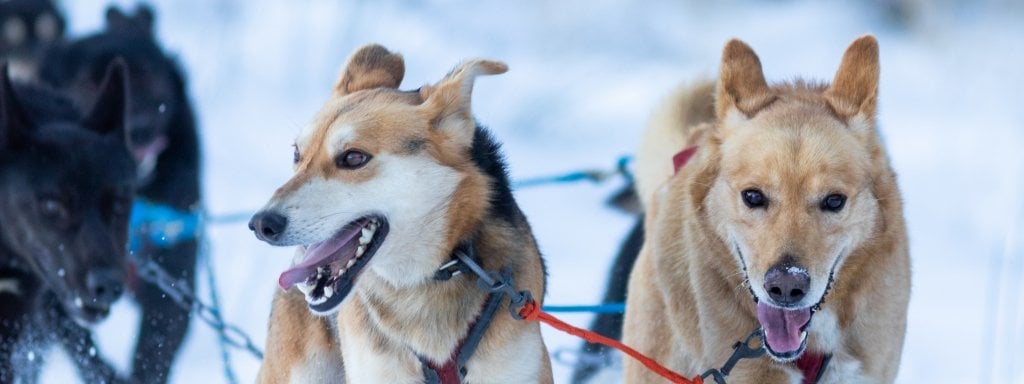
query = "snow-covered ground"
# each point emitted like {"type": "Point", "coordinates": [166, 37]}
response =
{"type": "Point", "coordinates": [584, 76]}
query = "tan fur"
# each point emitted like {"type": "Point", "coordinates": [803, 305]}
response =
{"type": "Point", "coordinates": [688, 294]}
{"type": "Point", "coordinates": [381, 324]}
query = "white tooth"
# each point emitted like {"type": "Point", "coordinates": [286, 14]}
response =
{"type": "Point", "coordinates": [305, 288]}
{"type": "Point", "coordinates": [351, 262]}
{"type": "Point", "coordinates": [366, 236]}
{"type": "Point", "coordinates": [803, 335]}
{"type": "Point", "coordinates": [328, 292]}
{"type": "Point", "coordinates": [360, 250]}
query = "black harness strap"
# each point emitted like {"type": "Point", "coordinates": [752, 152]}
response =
{"type": "Point", "coordinates": [467, 346]}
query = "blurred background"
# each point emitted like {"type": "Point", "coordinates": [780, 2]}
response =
{"type": "Point", "coordinates": [584, 75]}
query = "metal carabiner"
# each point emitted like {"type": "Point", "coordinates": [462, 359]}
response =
{"type": "Point", "coordinates": [741, 350]}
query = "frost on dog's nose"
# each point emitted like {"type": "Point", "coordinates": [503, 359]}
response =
{"type": "Point", "coordinates": [786, 284]}
{"type": "Point", "coordinates": [268, 225]}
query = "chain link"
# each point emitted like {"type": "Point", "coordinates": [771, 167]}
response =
{"type": "Point", "coordinates": [179, 291]}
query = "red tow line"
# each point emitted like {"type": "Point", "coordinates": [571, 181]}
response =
{"type": "Point", "coordinates": [531, 311]}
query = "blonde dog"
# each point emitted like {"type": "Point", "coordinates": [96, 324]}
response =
{"type": "Point", "coordinates": [788, 211]}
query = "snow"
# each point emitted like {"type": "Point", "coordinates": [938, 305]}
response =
{"type": "Point", "coordinates": [583, 77]}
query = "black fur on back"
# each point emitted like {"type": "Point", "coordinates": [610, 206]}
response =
{"type": "Point", "coordinates": [486, 154]}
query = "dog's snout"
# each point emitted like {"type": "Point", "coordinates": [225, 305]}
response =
{"type": "Point", "coordinates": [105, 285]}
{"type": "Point", "coordinates": [268, 225]}
{"type": "Point", "coordinates": [787, 284]}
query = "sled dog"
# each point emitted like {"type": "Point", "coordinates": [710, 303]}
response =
{"type": "Point", "coordinates": [388, 186]}
{"type": "Point", "coordinates": [787, 218]}
{"type": "Point", "coordinates": [66, 186]}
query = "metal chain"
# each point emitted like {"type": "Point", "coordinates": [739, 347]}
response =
{"type": "Point", "coordinates": [179, 291]}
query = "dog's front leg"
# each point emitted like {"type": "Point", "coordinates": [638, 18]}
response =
{"type": "Point", "coordinates": [81, 347]}
{"type": "Point", "coordinates": [164, 322]}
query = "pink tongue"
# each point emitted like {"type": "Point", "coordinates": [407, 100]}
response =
{"type": "Point", "coordinates": [318, 254]}
{"type": "Point", "coordinates": [782, 326]}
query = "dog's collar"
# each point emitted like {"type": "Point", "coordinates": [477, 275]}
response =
{"type": "Point", "coordinates": [811, 364]}
{"type": "Point", "coordinates": [682, 157]}
{"type": "Point", "coordinates": [455, 266]}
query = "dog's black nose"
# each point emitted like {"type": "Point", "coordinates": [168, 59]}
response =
{"type": "Point", "coordinates": [105, 285]}
{"type": "Point", "coordinates": [787, 284]}
{"type": "Point", "coordinates": [268, 225]}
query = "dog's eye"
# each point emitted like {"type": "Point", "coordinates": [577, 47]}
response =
{"type": "Point", "coordinates": [53, 208]}
{"type": "Point", "coordinates": [352, 159]}
{"type": "Point", "coordinates": [833, 203]}
{"type": "Point", "coordinates": [754, 198]}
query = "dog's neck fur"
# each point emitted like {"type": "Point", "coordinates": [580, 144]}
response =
{"type": "Point", "coordinates": [444, 310]}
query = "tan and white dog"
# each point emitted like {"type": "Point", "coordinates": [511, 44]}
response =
{"type": "Point", "coordinates": [387, 185]}
{"type": "Point", "coordinates": [787, 218]}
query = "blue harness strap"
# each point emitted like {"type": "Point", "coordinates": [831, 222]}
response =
{"type": "Point", "coordinates": [160, 225]}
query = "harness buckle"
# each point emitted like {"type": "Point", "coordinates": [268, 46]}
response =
{"type": "Point", "coordinates": [750, 348]}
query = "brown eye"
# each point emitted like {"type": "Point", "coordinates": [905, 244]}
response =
{"type": "Point", "coordinates": [833, 203]}
{"type": "Point", "coordinates": [754, 198]}
{"type": "Point", "coordinates": [352, 159]}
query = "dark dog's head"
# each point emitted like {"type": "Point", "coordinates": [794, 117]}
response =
{"type": "Point", "coordinates": [27, 28]}
{"type": "Point", "coordinates": [66, 186]}
{"type": "Point", "coordinates": [157, 88]}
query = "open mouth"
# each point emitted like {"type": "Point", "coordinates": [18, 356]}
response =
{"type": "Point", "coordinates": [328, 270]}
{"type": "Point", "coordinates": [785, 330]}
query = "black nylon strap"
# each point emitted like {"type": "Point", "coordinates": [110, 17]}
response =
{"type": "Point", "coordinates": [471, 341]}
{"type": "Point", "coordinates": [483, 322]}
{"type": "Point", "coordinates": [429, 374]}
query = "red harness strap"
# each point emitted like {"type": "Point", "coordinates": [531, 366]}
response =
{"type": "Point", "coordinates": [449, 373]}
{"type": "Point", "coordinates": [812, 365]}
{"type": "Point", "coordinates": [680, 159]}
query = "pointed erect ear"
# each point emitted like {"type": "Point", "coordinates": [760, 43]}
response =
{"type": "Point", "coordinates": [372, 66]}
{"type": "Point", "coordinates": [741, 83]}
{"type": "Point", "coordinates": [14, 123]}
{"type": "Point", "coordinates": [448, 101]}
{"type": "Point", "coordinates": [109, 112]}
{"type": "Point", "coordinates": [144, 14]}
{"type": "Point", "coordinates": [855, 87]}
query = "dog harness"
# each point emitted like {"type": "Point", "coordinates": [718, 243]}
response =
{"type": "Point", "coordinates": [454, 370]}
{"type": "Point", "coordinates": [156, 225]}
{"type": "Point", "coordinates": [160, 225]}
{"type": "Point", "coordinates": [812, 365]}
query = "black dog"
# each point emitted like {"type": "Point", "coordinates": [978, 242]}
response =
{"type": "Point", "coordinates": [66, 187]}
{"type": "Point", "coordinates": [165, 144]}
{"type": "Point", "coordinates": [29, 28]}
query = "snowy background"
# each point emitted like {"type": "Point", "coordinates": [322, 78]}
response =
{"type": "Point", "coordinates": [584, 76]}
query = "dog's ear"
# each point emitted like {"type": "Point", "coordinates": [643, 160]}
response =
{"type": "Point", "coordinates": [448, 101]}
{"type": "Point", "coordinates": [741, 84]}
{"type": "Point", "coordinates": [115, 16]}
{"type": "Point", "coordinates": [855, 88]}
{"type": "Point", "coordinates": [15, 122]}
{"type": "Point", "coordinates": [144, 16]}
{"type": "Point", "coordinates": [110, 111]}
{"type": "Point", "coordinates": [372, 66]}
